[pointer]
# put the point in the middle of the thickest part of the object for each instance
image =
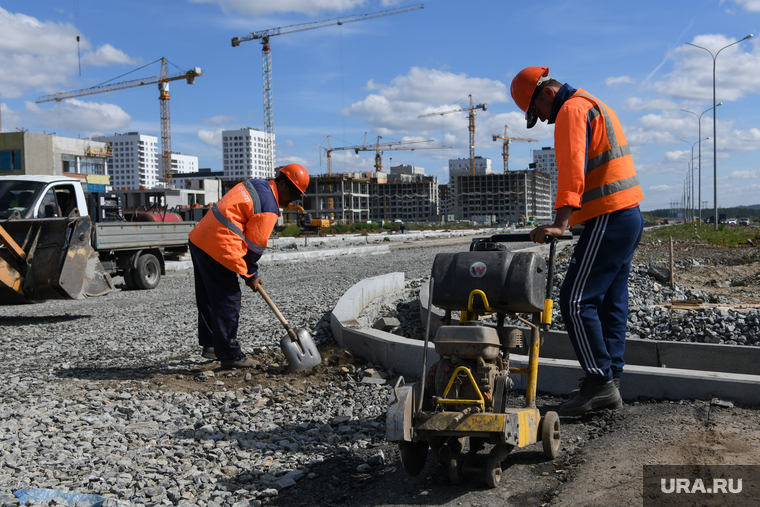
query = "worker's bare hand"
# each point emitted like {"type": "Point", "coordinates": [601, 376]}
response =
{"type": "Point", "coordinates": [538, 235]}
{"type": "Point", "coordinates": [254, 283]}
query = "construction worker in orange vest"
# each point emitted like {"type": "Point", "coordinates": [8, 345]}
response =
{"type": "Point", "coordinates": [226, 244]}
{"type": "Point", "coordinates": [596, 186]}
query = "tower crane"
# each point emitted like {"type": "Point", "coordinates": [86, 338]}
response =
{"type": "Point", "coordinates": [378, 148]}
{"type": "Point", "coordinates": [471, 111]}
{"type": "Point", "coordinates": [266, 57]}
{"type": "Point", "coordinates": [163, 87]}
{"type": "Point", "coordinates": [505, 146]}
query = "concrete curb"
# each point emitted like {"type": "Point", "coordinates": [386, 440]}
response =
{"type": "Point", "coordinates": [650, 372]}
{"type": "Point", "coordinates": [403, 355]}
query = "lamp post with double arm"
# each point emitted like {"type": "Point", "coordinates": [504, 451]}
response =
{"type": "Point", "coordinates": [699, 120]}
{"type": "Point", "coordinates": [715, 123]}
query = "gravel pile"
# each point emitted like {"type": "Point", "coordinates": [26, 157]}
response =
{"type": "Point", "coordinates": [111, 396]}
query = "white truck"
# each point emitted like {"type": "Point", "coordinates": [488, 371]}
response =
{"type": "Point", "coordinates": [57, 245]}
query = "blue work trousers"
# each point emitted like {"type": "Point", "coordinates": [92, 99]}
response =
{"type": "Point", "coordinates": [594, 295]}
{"type": "Point", "coordinates": [217, 295]}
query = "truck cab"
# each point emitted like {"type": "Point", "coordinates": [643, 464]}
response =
{"type": "Point", "coordinates": [41, 197]}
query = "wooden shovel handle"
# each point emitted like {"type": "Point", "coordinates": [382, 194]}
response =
{"type": "Point", "coordinates": [273, 307]}
{"type": "Point", "coordinates": [279, 315]}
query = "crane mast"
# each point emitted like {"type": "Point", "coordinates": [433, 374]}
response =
{"type": "Point", "coordinates": [266, 59]}
{"type": "Point", "coordinates": [471, 127]}
{"type": "Point", "coordinates": [505, 146]}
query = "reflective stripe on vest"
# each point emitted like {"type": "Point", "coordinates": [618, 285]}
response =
{"type": "Point", "coordinates": [234, 228]}
{"type": "Point", "coordinates": [610, 188]}
{"type": "Point", "coordinates": [616, 151]}
{"type": "Point", "coordinates": [255, 199]}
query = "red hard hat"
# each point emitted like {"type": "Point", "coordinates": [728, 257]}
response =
{"type": "Point", "coordinates": [297, 175]}
{"type": "Point", "coordinates": [525, 83]}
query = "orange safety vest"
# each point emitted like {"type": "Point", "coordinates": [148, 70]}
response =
{"type": "Point", "coordinates": [595, 173]}
{"type": "Point", "coordinates": [236, 230]}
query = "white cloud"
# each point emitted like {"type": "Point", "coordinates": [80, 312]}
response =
{"type": "Point", "coordinates": [108, 55]}
{"type": "Point", "coordinates": [43, 55]}
{"type": "Point", "coordinates": [211, 137]}
{"type": "Point", "coordinates": [692, 74]}
{"type": "Point", "coordinates": [219, 119]}
{"type": "Point", "coordinates": [393, 108]}
{"type": "Point", "coordinates": [748, 5]}
{"type": "Point", "coordinates": [661, 188]}
{"type": "Point", "coordinates": [260, 7]}
{"type": "Point", "coordinates": [743, 175]}
{"type": "Point", "coordinates": [80, 116]}
{"type": "Point", "coordinates": [617, 82]}
{"type": "Point", "coordinates": [674, 156]}
{"type": "Point", "coordinates": [638, 104]}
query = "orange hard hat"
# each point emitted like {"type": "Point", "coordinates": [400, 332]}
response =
{"type": "Point", "coordinates": [524, 85]}
{"type": "Point", "coordinates": [297, 175]}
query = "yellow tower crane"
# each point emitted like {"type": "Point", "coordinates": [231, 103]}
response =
{"type": "Point", "coordinates": [505, 147]}
{"type": "Point", "coordinates": [266, 58]}
{"type": "Point", "coordinates": [471, 111]}
{"type": "Point", "coordinates": [378, 148]}
{"type": "Point", "coordinates": [163, 87]}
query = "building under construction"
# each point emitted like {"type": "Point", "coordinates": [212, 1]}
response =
{"type": "Point", "coordinates": [405, 194]}
{"type": "Point", "coordinates": [341, 198]}
{"type": "Point", "coordinates": [489, 198]}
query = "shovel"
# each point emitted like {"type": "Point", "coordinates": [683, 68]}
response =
{"type": "Point", "coordinates": [298, 346]}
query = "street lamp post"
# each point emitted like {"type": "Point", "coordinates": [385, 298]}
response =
{"type": "Point", "coordinates": [699, 120]}
{"type": "Point", "coordinates": [691, 165]}
{"type": "Point", "coordinates": [715, 123]}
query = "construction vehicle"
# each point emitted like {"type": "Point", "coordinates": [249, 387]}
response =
{"type": "Point", "coordinates": [304, 220]}
{"type": "Point", "coordinates": [57, 244]}
{"type": "Point", "coordinates": [471, 116]}
{"type": "Point", "coordinates": [163, 87]}
{"type": "Point", "coordinates": [463, 398]}
{"type": "Point", "coordinates": [505, 146]}
{"type": "Point", "coordinates": [266, 59]}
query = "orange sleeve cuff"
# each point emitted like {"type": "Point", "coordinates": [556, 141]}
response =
{"type": "Point", "coordinates": [565, 198]}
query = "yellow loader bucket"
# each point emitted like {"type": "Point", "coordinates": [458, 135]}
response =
{"type": "Point", "coordinates": [49, 258]}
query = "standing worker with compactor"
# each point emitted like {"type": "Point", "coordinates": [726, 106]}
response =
{"type": "Point", "coordinates": [228, 242]}
{"type": "Point", "coordinates": [596, 186]}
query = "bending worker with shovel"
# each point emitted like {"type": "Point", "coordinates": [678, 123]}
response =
{"type": "Point", "coordinates": [228, 242]}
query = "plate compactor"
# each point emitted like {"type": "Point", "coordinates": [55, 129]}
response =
{"type": "Point", "coordinates": [464, 395]}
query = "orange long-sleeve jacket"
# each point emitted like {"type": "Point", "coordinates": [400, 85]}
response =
{"type": "Point", "coordinates": [236, 230]}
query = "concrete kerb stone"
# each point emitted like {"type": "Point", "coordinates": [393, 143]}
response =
{"type": "Point", "coordinates": [403, 355]}
{"type": "Point", "coordinates": [650, 370]}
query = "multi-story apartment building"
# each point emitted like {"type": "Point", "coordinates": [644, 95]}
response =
{"type": "Point", "coordinates": [245, 154]}
{"type": "Point", "coordinates": [183, 164]}
{"type": "Point", "coordinates": [136, 160]}
{"type": "Point", "coordinates": [546, 162]}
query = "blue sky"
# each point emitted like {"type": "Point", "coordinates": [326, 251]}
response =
{"type": "Point", "coordinates": [377, 76]}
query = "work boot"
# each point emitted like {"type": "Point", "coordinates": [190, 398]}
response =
{"type": "Point", "coordinates": [240, 361]}
{"type": "Point", "coordinates": [208, 353]}
{"type": "Point", "coordinates": [594, 394]}
{"type": "Point", "coordinates": [575, 392]}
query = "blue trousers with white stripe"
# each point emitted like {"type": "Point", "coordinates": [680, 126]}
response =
{"type": "Point", "coordinates": [218, 296]}
{"type": "Point", "coordinates": [594, 296]}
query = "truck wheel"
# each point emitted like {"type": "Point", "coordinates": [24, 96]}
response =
{"type": "Point", "coordinates": [129, 279]}
{"type": "Point", "coordinates": [147, 274]}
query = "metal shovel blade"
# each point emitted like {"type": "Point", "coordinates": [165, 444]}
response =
{"type": "Point", "coordinates": [301, 352]}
